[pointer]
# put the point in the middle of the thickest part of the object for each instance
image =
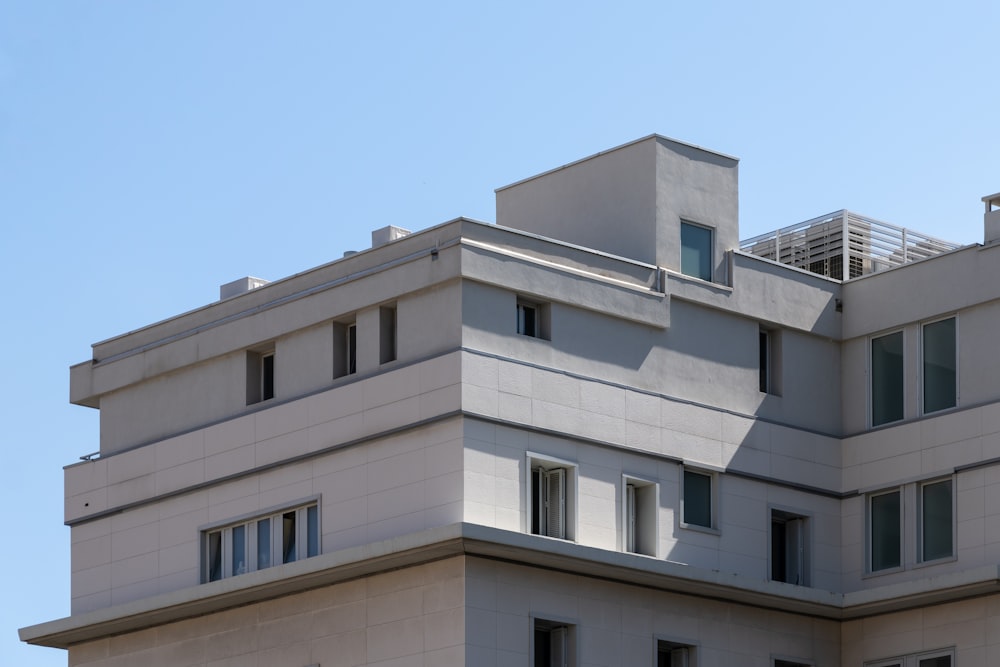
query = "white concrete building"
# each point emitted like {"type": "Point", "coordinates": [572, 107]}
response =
{"type": "Point", "coordinates": [596, 433]}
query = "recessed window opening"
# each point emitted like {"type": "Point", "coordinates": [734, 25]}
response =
{"type": "Point", "coordinates": [769, 362]}
{"type": "Point", "coordinates": [639, 516]}
{"type": "Point", "coordinates": [551, 498]}
{"type": "Point", "coordinates": [532, 319]}
{"type": "Point", "coordinates": [553, 644]}
{"type": "Point", "coordinates": [672, 654]}
{"type": "Point", "coordinates": [345, 349]}
{"type": "Point", "coordinates": [260, 376]}
{"type": "Point", "coordinates": [789, 548]}
{"type": "Point", "coordinates": [387, 334]}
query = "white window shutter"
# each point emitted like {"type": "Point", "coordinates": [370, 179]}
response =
{"type": "Point", "coordinates": [794, 551]}
{"type": "Point", "coordinates": [555, 510]}
{"type": "Point", "coordinates": [679, 657]}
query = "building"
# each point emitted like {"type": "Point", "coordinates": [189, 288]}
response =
{"type": "Point", "coordinates": [600, 432]}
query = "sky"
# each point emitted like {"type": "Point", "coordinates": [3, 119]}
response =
{"type": "Point", "coordinates": [150, 152]}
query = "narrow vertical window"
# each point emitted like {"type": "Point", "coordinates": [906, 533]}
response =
{"type": "Point", "coordinates": [887, 378]}
{"type": "Point", "coordinates": [260, 376]}
{"type": "Point", "coordinates": [267, 376]}
{"type": "Point", "coordinates": [550, 509]}
{"type": "Point", "coordinates": [352, 349]}
{"type": "Point", "coordinates": [527, 319]}
{"type": "Point", "coordinates": [885, 535]}
{"type": "Point", "coordinates": [789, 556]}
{"type": "Point", "coordinates": [936, 534]}
{"type": "Point", "coordinates": [639, 516]}
{"type": "Point", "coordinates": [696, 251]}
{"type": "Point", "coordinates": [697, 510]}
{"type": "Point", "coordinates": [288, 545]}
{"type": "Point", "coordinates": [239, 550]}
{"type": "Point", "coordinates": [764, 372]}
{"type": "Point", "coordinates": [214, 556]}
{"type": "Point", "coordinates": [940, 364]}
{"type": "Point", "coordinates": [263, 544]}
{"type": "Point", "coordinates": [387, 334]}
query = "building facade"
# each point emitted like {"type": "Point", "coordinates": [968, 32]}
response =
{"type": "Point", "coordinates": [599, 432]}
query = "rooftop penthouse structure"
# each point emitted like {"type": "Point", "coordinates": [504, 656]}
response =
{"type": "Point", "coordinates": [601, 431]}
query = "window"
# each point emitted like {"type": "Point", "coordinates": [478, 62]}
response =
{"type": "Point", "coordinates": [550, 507]}
{"type": "Point", "coordinates": [697, 502]}
{"type": "Point", "coordinates": [345, 349]}
{"type": "Point", "coordinates": [641, 500]}
{"type": "Point", "coordinates": [884, 531]}
{"type": "Point", "coordinates": [387, 334]}
{"type": "Point", "coordinates": [672, 654]}
{"type": "Point", "coordinates": [936, 520]}
{"type": "Point", "coordinates": [696, 251]}
{"type": "Point", "coordinates": [789, 553]}
{"type": "Point", "coordinates": [260, 376]}
{"type": "Point", "coordinates": [769, 366]}
{"type": "Point", "coordinates": [554, 644]}
{"type": "Point", "coordinates": [940, 364]}
{"type": "Point", "coordinates": [887, 378]}
{"type": "Point", "coordinates": [261, 542]}
{"type": "Point", "coordinates": [940, 658]}
{"type": "Point", "coordinates": [790, 663]}
{"type": "Point", "coordinates": [532, 319]}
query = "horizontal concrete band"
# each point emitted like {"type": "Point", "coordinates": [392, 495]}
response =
{"type": "Point", "coordinates": [465, 539]}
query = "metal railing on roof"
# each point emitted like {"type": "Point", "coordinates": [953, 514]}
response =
{"type": "Point", "coordinates": [818, 246]}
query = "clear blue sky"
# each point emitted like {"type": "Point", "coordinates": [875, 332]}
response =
{"type": "Point", "coordinates": [152, 151]}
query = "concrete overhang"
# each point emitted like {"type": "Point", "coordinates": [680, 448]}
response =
{"type": "Point", "coordinates": [530, 550]}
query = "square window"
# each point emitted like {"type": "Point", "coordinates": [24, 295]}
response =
{"type": "Point", "coordinates": [260, 376]}
{"type": "Point", "coordinates": [887, 378]}
{"type": "Point", "coordinates": [885, 531]}
{"type": "Point", "coordinates": [789, 548]}
{"type": "Point", "coordinates": [554, 644]}
{"type": "Point", "coordinates": [940, 365]}
{"type": "Point", "coordinates": [260, 542]}
{"type": "Point", "coordinates": [696, 251]}
{"type": "Point", "coordinates": [697, 499]}
{"type": "Point", "coordinates": [672, 654]}
{"type": "Point", "coordinates": [532, 319]}
{"type": "Point", "coordinates": [641, 502]}
{"type": "Point", "coordinates": [936, 520]}
{"type": "Point", "coordinates": [551, 510]}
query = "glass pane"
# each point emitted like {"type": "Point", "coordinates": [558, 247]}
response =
{"type": "Point", "coordinates": [239, 564]}
{"type": "Point", "coordinates": [263, 544]}
{"type": "Point", "coordinates": [885, 534]}
{"type": "Point", "coordinates": [940, 661]}
{"type": "Point", "coordinates": [214, 556]}
{"type": "Point", "coordinates": [887, 378]}
{"type": "Point", "coordinates": [312, 531]}
{"type": "Point", "coordinates": [288, 537]}
{"type": "Point", "coordinates": [939, 365]}
{"type": "Point", "coordinates": [697, 499]}
{"type": "Point", "coordinates": [936, 520]}
{"type": "Point", "coordinates": [696, 251]}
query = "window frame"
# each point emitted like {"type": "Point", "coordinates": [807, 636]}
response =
{"type": "Point", "coordinates": [871, 378]}
{"type": "Point", "coordinates": [550, 623]}
{"type": "Point", "coordinates": [913, 659]}
{"type": "Point", "coordinates": [779, 514]}
{"type": "Point", "coordinates": [713, 500]}
{"type": "Point", "coordinates": [308, 535]}
{"type": "Point", "coordinates": [541, 322]}
{"type": "Point", "coordinates": [869, 529]}
{"type": "Point", "coordinates": [547, 464]}
{"type": "Point", "coordinates": [922, 559]}
{"type": "Point", "coordinates": [769, 361]}
{"type": "Point", "coordinates": [710, 260]}
{"type": "Point", "coordinates": [260, 375]}
{"type": "Point", "coordinates": [644, 511]}
{"type": "Point", "coordinates": [670, 643]}
{"type": "Point", "coordinates": [923, 366]}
